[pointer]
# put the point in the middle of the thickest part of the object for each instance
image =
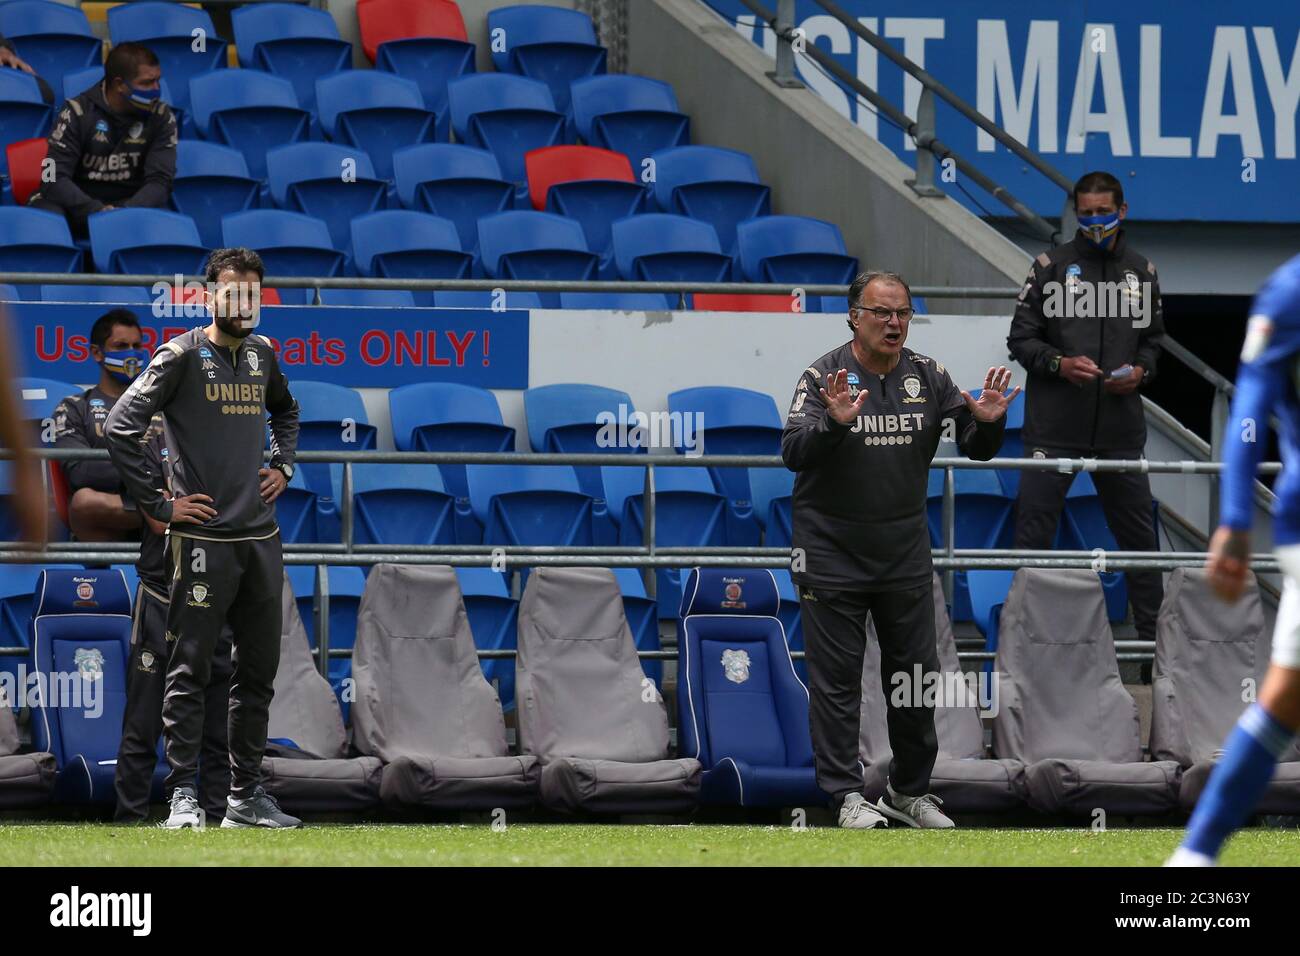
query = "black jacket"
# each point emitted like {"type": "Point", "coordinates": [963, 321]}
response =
{"type": "Point", "coordinates": [1120, 327]}
{"type": "Point", "coordinates": [860, 494]}
{"type": "Point", "coordinates": [79, 423]}
{"type": "Point", "coordinates": [215, 402]}
{"type": "Point", "coordinates": [106, 158]}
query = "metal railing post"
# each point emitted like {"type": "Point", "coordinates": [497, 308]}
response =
{"type": "Point", "coordinates": [346, 504]}
{"type": "Point", "coordinates": [783, 75]}
{"type": "Point", "coordinates": [923, 184]}
{"type": "Point", "coordinates": [1219, 412]}
{"type": "Point", "coordinates": [650, 577]}
{"type": "Point", "coordinates": [321, 608]}
{"type": "Point", "coordinates": [949, 529]}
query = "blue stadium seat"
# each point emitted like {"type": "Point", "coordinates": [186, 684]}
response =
{"type": "Point", "coordinates": [507, 115]}
{"type": "Point", "coordinates": [249, 110]}
{"type": "Point", "coordinates": [642, 613]}
{"type": "Point", "coordinates": [469, 299]}
{"type": "Point", "coordinates": [529, 504]}
{"type": "Point", "coordinates": [569, 419]}
{"type": "Point", "coordinates": [617, 301]}
{"type": "Point", "coordinates": [717, 186]}
{"type": "Point", "coordinates": [32, 240]}
{"type": "Point", "coordinates": [772, 490]}
{"type": "Point", "coordinates": [9, 293]}
{"type": "Point", "coordinates": [634, 115]}
{"type": "Point", "coordinates": [1083, 527]}
{"type": "Point", "coordinates": [594, 186]}
{"type": "Point", "coordinates": [332, 182]}
{"type": "Point", "coordinates": [522, 244]}
{"type": "Point", "coordinates": [108, 294]}
{"type": "Point", "coordinates": [211, 181]}
{"type": "Point", "coordinates": [370, 298]}
{"type": "Point", "coordinates": [72, 636]}
{"type": "Point", "coordinates": [794, 249]}
{"type": "Point", "coordinates": [39, 397]}
{"type": "Point", "coordinates": [302, 581]}
{"type": "Point", "coordinates": [346, 585]}
{"type": "Point", "coordinates": [290, 244]}
{"type": "Point", "coordinates": [981, 519]}
{"type": "Point", "coordinates": [290, 40]}
{"type": "Point", "coordinates": [146, 242]}
{"type": "Point", "coordinates": [988, 592]}
{"type": "Point", "coordinates": [493, 618]}
{"type": "Point", "coordinates": [689, 513]}
{"type": "Point", "coordinates": [430, 48]}
{"type": "Point", "coordinates": [18, 584]}
{"type": "Point", "coordinates": [23, 112]}
{"type": "Point", "coordinates": [401, 504]}
{"type": "Point", "coordinates": [329, 415]}
{"type": "Point", "coordinates": [736, 421]}
{"type": "Point", "coordinates": [443, 416]}
{"type": "Point", "coordinates": [549, 44]}
{"type": "Point", "coordinates": [658, 247]}
{"type": "Point", "coordinates": [742, 711]}
{"type": "Point", "coordinates": [457, 182]}
{"type": "Point", "coordinates": [295, 511]}
{"type": "Point", "coordinates": [377, 111]}
{"type": "Point", "coordinates": [168, 30]}
{"type": "Point", "coordinates": [54, 38]}
{"type": "Point", "coordinates": [405, 244]}
{"type": "Point", "coordinates": [788, 611]}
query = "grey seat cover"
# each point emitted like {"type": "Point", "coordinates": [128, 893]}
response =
{"type": "Point", "coordinates": [1208, 654]}
{"type": "Point", "coordinates": [1062, 709]}
{"type": "Point", "coordinates": [962, 778]}
{"type": "Point", "coordinates": [422, 703]}
{"type": "Point", "coordinates": [26, 780]}
{"type": "Point", "coordinates": [585, 706]}
{"type": "Point", "coordinates": [305, 710]}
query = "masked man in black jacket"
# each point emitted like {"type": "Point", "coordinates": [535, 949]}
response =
{"type": "Point", "coordinates": [1087, 329]}
{"type": "Point", "coordinates": [113, 146]}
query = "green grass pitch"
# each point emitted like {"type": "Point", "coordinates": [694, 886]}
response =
{"type": "Point", "coordinates": [38, 844]}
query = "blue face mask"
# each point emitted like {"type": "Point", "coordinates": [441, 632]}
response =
{"type": "Point", "coordinates": [144, 99]}
{"type": "Point", "coordinates": [1100, 230]}
{"type": "Point", "coordinates": [126, 364]}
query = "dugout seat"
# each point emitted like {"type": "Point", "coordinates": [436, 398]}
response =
{"type": "Point", "coordinates": [1205, 652]}
{"type": "Point", "coordinates": [584, 704]}
{"type": "Point", "coordinates": [962, 777]}
{"type": "Point", "coordinates": [529, 505]}
{"type": "Point", "coordinates": [742, 710]}
{"type": "Point", "coordinates": [81, 638]}
{"type": "Point", "coordinates": [494, 621]}
{"type": "Point", "coordinates": [423, 705]}
{"type": "Point", "coordinates": [642, 612]}
{"type": "Point", "coordinates": [1062, 709]}
{"type": "Point", "coordinates": [311, 772]}
{"type": "Point", "coordinates": [401, 504]}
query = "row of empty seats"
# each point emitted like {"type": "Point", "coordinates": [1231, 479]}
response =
{"type": "Point", "coordinates": [429, 733]}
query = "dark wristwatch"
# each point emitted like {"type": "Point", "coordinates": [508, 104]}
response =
{"type": "Point", "coordinates": [1055, 364]}
{"type": "Point", "coordinates": [284, 468]}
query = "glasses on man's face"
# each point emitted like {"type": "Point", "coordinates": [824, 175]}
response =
{"type": "Point", "coordinates": [904, 315]}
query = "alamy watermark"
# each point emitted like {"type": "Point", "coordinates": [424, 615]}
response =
{"type": "Point", "coordinates": [626, 428]}
{"type": "Point", "coordinates": [921, 688]}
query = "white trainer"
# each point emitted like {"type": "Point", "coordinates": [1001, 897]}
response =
{"type": "Point", "coordinates": [921, 812]}
{"type": "Point", "coordinates": [1185, 857]}
{"type": "Point", "coordinates": [857, 814]}
{"type": "Point", "coordinates": [185, 811]}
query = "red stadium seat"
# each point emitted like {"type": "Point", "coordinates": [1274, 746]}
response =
{"type": "Point", "coordinates": [384, 20]}
{"type": "Point", "coordinates": [743, 303]}
{"type": "Point", "coordinates": [25, 158]}
{"type": "Point", "coordinates": [566, 164]}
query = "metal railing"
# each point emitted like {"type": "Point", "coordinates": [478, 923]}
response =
{"type": "Point", "coordinates": [649, 555]}
{"type": "Point", "coordinates": [929, 147]}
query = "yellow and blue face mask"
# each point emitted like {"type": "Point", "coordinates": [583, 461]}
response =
{"type": "Point", "coordinates": [1100, 230]}
{"type": "Point", "coordinates": [143, 99]}
{"type": "Point", "coordinates": [125, 364]}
